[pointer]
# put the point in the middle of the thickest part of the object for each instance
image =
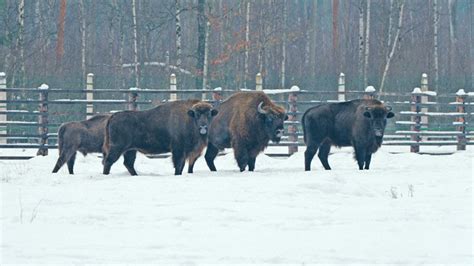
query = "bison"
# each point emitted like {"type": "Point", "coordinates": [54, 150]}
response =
{"type": "Point", "coordinates": [178, 127]}
{"type": "Point", "coordinates": [246, 122]}
{"type": "Point", "coordinates": [357, 123]}
{"type": "Point", "coordinates": [84, 136]}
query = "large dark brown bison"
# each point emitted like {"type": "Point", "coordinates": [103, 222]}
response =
{"type": "Point", "coordinates": [246, 122]}
{"type": "Point", "coordinates": [357, 123]}
{"type": "Point", "coordinates": [179, 127]}
{"type": "Point", "coordinates": [84, 136]}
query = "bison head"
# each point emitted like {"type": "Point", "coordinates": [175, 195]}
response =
{"type": "Point", "coordinates": [273, 118]}
{"type": "Point", "coordinates": [377, 116]}
{"type": "Point", "coordinates": [202, 114]}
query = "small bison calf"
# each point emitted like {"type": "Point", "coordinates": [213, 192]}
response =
{"type": "Point", "coordinates": [84, 136]}
{"type": "Point", "coordinates": [357, 123]}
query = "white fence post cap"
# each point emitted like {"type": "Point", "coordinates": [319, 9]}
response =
{"type": "Point", "coordinates": [294, 88]}
{"type": "Point", "coordinates": [424, 75]}
{"type": "Point", "coordinates": [416, 90]}
{"type": "Point", "coordinates": [173, 75]}
{"type": "Point", "coordinates": [2, 74]}
{"type": "Point", "coordinates": [218, 89]}
{"type": "Point", "coordinates": [461, 92]}
{"type": "Point", "coordinates": [90, 74]}
{"type": "Point", "coordinates": [342, 74]}
{"type": "Point", "coordinates": [43, 87]}
{"type": "Point", "coordinates": [133, 88]}
{"type": "Point", "coordinates": [370, 89]}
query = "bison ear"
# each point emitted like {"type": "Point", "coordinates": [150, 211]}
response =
{"type": "Point", "coordinates": [286, 117]}
{"type": "Point", "coordinates": [390, 114]}
{"type": "Point", "coordinates": [214, 112]}
{"type": "Point", "coordinates": [191, 113]}
{"type": "Point", "coordinates": [367, 114]}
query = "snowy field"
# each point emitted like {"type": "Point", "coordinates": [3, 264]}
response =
{"type": "Point", "coordinates": [408, 209]}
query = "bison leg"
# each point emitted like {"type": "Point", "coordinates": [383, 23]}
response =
{"type": "Point", "coordinates": [242, 158]}
{"type": "Point", "coordinates": [211, 154]}
{"type": "Point", "coordinates": [311, 150]}
{"type": "Point", "coordinates": [63, 158]}
{"type": "Point", "coordinates": [192, 161]}
{"type": "Point", "coordinates": [70, 163]}
{"type": "Point", "coordinates": [129, 160]}
{"type": "Point", "coordinates": [112, 156]}
{"type": "Point", "coordinates": [360, 156]}
{"type": "Point", "coordinates": [252, 163]}
{"type": "Point", "coordinates": [324, 153]}
{"type": "Point", "coordinates": [179, 160]}
{"type": "Point", "coordinates": [368, 158]}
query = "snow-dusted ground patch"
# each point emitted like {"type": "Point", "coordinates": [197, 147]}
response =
{"type": "Point", "coordinates": [407, 209]}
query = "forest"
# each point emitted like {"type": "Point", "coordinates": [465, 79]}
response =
{"type": "Point", "coordinates": [209, 43]}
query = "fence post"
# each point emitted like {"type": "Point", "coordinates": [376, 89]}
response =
{"type": "Point", "coordinates": [369, 93]}
{"type": "Point", "coordinates": [43, 120]}
{"type": "Point", "coordinates": [173, 87]}
{"type": "Point", "coordinates": [461, 120]}
{"type": "Point", "coordinates": [341, 88]}
{"type": "Point", "coordinates": [3, 107]}
{"type": "Point", "coordinates": [89, 95]}
{"type": "Point", "coordinates": [258, 82]}
{"type": "Point", "coordinates": [415, 107]}
{"type": "Point", "coordinates": [424, 99]}
{"type": "Point", "coordinates": [292, 117]}
{"type": "Point", "coordinates": [132, 99]}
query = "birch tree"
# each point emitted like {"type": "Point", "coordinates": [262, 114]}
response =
{"type": "Point", "coordinates": [201, 20]}
{"type": "Point", "coordinates": [435, 43]}
{"type": "Point", "coordinates": [367, 45]}
{"type": "Point", "coordinates": [361, 42]}
{"type": "Point", "coordinates": [394, 46]}
{"type": "Point", "coordinates": [335, 35]}
{"type": "Point", "coordinates": [20, 42]}
{"type": "Point", "coordinates": [60, 42]}
{"type": "Point", "coordinates": [82, 18]}
{"type": "Point", "coordinates": [247, 44]}
{"type": "Point", "coordinates": [283, 47]}
{"type": "Point", "coordinates": [135, 43]}
{"type": "Point", "coordinates": [178, 32]}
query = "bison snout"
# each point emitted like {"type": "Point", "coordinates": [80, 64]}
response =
{"type": "Point", "coordinates": [203, 130]}
{"type": "Point", "coordinates": [279, 133]}
{"type": "Point", "coordinates": [378, 133]}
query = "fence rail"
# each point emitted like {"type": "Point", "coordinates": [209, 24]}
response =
{"type": "Point", "coordinates": [422, 117]}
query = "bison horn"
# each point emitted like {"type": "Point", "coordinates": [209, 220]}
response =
{"type": "Point", "coordinates": [260, 109]}
{"type": "Point", "coordinates": [388, 108]}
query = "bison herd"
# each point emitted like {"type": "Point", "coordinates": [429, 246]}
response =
{"type": "Point", "coordinates": [245, 122]}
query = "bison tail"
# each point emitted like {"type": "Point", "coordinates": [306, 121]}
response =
{"type": "Point", "coordinates": [61, 132]}
{"type": "Point", "coordinates": [303, 126]}
{"type": "Point", "coordinates": [106, 136]}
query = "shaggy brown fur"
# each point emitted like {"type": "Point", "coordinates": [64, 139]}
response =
{"type": "Point", "coordinates": [179, 127]}
{"type": "Point", "coordinates": [239, 125]}
{"type": "Point", "coordinates": [84, 136]}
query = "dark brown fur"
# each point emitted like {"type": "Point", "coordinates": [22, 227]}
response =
{"type": "Point", "coordinates": [239, 125]}
{"type": "Point", "coordinates": [84, 136]}
{"type": "Point", "coordinates": [170, 127]}
{"type": "Point", "coordinates": [357, 123]}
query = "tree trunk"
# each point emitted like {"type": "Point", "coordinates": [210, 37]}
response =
{"type": "Point", "coordinates": [135, 44]}
{"type": "Point", "coordinates": [390, 22]}
{"type": "Point", "coordinates": [178, 33]}
{"type": "Point", "coordinates": [435, 43]}
{"type": "Point", "coordinates": [201, 20]}
{"type": "Point", "coordinates": [21, 42]}
{"type": "Point", "coordinates": [283, 48]}
{"type": "Point", "coordinates": [361, 43]}
{"type": "Point", "coordinates": [247, 44]}
{"type": "Point", "coordinates": [367, 45]}
{"type": "Point", "coordinates": [335, 35]}
{"type": "Point", "coordinates": [82, 18]}
{"type": "Point", "coordinates": [452, 38]}
{"type": "Point", "coordinates": [60, 43]}
{"type": "Point", "coordinates": [313, 38]}
{"type": "Point", "coordinates": [471, 51]}
{"type": "Point", "coordinates": [205, 66]}
{"type": "Point", "coordinates": [395, 42]}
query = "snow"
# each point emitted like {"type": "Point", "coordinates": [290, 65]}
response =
{"type": "Point", "coordinates": [43, 87]}
{"type": "Point", "coordinates": [408, 209]}
{"type": "Point", "coordinates": [370, 89]}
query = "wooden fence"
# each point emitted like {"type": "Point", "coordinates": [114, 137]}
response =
{"type": "Point", "coordinates": [422, 117]}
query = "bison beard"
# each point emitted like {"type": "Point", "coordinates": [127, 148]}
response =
{"type": "Point", "coordinates": [179, 127]}
{"type": "Point", "coordinates": [357, 123]}
{"type": "Point", "coordinates": [247, 121]}
{"type": "Point", "coordinates": [84, 136]}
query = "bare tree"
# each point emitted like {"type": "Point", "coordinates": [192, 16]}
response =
{"type": "Point", "coordinates": [20, 41]}
{"type": "Point", "coordinates": [283, 47]}
{"type": "Point", "coordinates": [247, 43]}
{"type": "Point", "coordinates": [394, 46]}
{"type": "Point", "coordinates": [135, 44]}
{"type": "Point", "coordinates": [335, 35]}
{"type": "Point", "coordinates": [82, 18]}
{"type": "Point", "coordinates": [60, 42]}
{"type": "Point", "coordinates": [178, 32]}
{"type": "Point", "coordinates": [367, 45]}
{"type": "Point", "coordinates": [361, 42]}
{"type": "Point", "coordinates": [201, 19]}
{"type": "Point", "coordinates": [435, 43]}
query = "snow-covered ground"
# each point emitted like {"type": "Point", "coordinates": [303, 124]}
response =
{"type": "Point", "coordinates": [408, 209]}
